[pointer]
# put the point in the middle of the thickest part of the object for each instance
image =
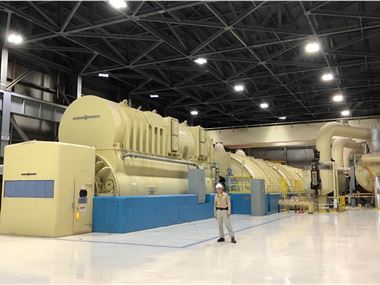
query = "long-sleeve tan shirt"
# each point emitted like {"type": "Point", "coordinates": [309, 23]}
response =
{"type": "Point", "coordinates": [222, 201]}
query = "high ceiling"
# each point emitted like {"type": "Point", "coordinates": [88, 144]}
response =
{"type": "Point", "coordinates": [150, 48]}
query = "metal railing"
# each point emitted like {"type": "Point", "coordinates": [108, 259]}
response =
{"type": "Point", "coordinates": [242, 184]}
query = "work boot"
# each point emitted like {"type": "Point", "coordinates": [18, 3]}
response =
{"type": "Point", "coordinates": [233, 240]}
{"type": "Point", "coordinates": [220, 240]}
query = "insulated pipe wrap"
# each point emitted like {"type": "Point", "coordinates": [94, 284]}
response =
{"type": "Point", "coordinates": [323, 144]}
{"type": "Point", "coordinates": [338, 147]}
{"type": "Point", "coordinates": [327, 131]}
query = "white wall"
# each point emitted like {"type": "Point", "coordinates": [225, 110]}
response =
{"type": "Point", "coordinates": [281, 135]}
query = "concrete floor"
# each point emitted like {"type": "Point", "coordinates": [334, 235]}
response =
{"type": "Point", "coordinates": [278, 249]}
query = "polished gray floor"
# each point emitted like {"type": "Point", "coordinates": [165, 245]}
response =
{"type": "Point", "coordinates": [279, 249]}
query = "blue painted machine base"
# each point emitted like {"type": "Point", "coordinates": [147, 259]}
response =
{"type": "Point", "coordinates": [241, 203]}
{"type": "Point", "coordinates": [123, 214]}
{"type": "Point", "coordinates": [134, 213]}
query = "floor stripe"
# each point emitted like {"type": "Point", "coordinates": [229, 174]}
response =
{"type": "Point", "coordinates": [172, 246]}
{"type": "Point", "coordinates": [120, 243]}
{"type": "Point", "coordinates": [239, 230]}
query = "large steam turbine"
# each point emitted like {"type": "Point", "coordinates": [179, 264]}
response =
{"type": "Point", "coordinates": [137, 152]}
{"type": "Point", "coordinates": [278, 177]}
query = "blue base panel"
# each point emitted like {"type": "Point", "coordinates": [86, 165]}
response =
{"type": "Point", "coordinates": [241, 203]}
{"type": "Point", "coordinates": [135, 213]}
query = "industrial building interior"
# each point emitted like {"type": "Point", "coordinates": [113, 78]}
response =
{"type": "Point", "coordinates": [120, 119]}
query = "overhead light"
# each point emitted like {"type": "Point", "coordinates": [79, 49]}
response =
{"type": "Point", "coordinates": [327, 77]}
{"type": "Point", "coordinates": [194, 112]}
{"type": "Point", "coordinates": [154, 96]}
{"type": "Point", "coordinates": [312, 47]}
{"type": "Point", "coordinates": [14, 38]}
{"type": "Point", "coordinates": [345, 113]}
{"type": "Point", "coordinates": [264, 105]}
{"type": "Point", "coordinates": [338, 98]}
{"type": "Point", "coordinates": [104, 75]}
{"type": "Point", "coordinates": [200, 60]}
{"type": "Point", "coordinates": [282, 118]}
{"type": "Point", "coordinates": [118, 4]}
{"type": "Point", "coordinates": [239, 87]}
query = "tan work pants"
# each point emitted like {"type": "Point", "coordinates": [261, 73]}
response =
{"type": "Point", "coordinates": [223, 219]}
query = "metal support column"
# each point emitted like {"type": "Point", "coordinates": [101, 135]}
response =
{"type": "Point", "coordinates": [4, 54]}
{"type": "Point", "coordinates": [352, 184]}
{"type": "Point", "coordinates": [4, 68]}
{"type": "Point", "coordinates": [129, 99]}
{"type": "Point", "coordinates": [79, 86]}
{"type": "Point", "coordinates": [376, 192]}
{"type": "Point", "coordinates": [286, 154]}
{"type": "Point", "coordinates": [5, 120]}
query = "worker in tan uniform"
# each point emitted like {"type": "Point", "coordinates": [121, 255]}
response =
{"type": "Point", "coordinates": [222, 212]}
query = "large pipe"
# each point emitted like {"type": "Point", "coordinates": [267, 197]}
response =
{"type": "Point", "coordinates": [327, 131]}
{"type": "Point", "coordinates": [347, 154]}
{"type": "Point", "coordinates": [338, 148]}
{"type": "Point", "coordinates": [323, 144]}
{"type": "Point", "coordinates": [368, 167]}
{"type": "Point", "coordinates": [158, 158]}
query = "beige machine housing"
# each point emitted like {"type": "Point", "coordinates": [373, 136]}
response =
{"type": "Point", "coordinates": [47, 189]}
{"type": "Point", "coordinates": [367, 169]}
{"type": "Point", "coordinates": [276, 176]}
{"type": "Point", "coordinates": [137, 152]}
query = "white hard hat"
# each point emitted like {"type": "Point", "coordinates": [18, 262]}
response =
{"type": "Point", "coordinates": [219, 185]}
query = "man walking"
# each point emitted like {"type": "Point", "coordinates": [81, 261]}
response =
{"type": "Point", "coordinates": [222, 212]}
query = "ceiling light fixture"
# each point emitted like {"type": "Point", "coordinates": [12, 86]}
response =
{"type": "Point", "coordinates": [345, 113]}
{"type": "Point", "coordinates": [338, 98]}
{"type": "Point", "coordinates": [194, 112]}
{"type": "Point", "coordinates": [118, 4]}
{"type": "Point", "coordinates": [15, 38]}
{"type": "Point", "coordinates": [239, 87]}
{"type": "Point", "coordinates": [106, 75]}
{"type": "Point", "coordinates": [327, 77]}
{"type": "Point", "coordinates": [200, 61]}
{"type": "Point", "coordinates": [312, 47]}
{"type": "Point", "coordinates": [264, 105]}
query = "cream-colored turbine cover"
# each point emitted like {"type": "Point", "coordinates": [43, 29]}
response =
{"type": "Point", "coordinates": [121, 133]}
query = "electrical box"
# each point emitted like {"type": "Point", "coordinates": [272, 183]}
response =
{"type": "Point", "coordinates": [258, 197]}
{"type": "Point", "coordinates": [196, 184]}
{"type": "Point", "coordinates": [48, 188]}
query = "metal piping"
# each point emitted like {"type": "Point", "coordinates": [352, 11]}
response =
{"type": "Point", "coordinates": [347, 153]}
{"type": "Point", "coordinates": [156, 158]}
{"type": "Point", "coordinates": [338, 149]}
{"type": "Point", "coordinates": [323, 144]}
{"type": "Point", "coordinates": [327, 131]}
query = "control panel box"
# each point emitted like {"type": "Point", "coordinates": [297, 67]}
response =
{"type": "Point", "coordinates": [48, 188]}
